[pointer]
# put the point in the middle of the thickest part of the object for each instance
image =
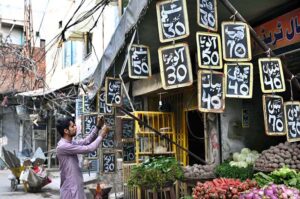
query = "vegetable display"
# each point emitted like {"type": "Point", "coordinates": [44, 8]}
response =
{"type": "Point", "coordinates": [287, 154]}
{"type": "Point", "coordinates": [221, 188]}
{"type": "Point", "coordinates": [226, 171]}
{"type": "Point", "coordinates": [284, 175]}
{"type": "Point", "coordinates": [244, 159]}
{"type": "Point", "coordinates": [272, 192]}
{"type": "Point", "coordinates": [198, 171]}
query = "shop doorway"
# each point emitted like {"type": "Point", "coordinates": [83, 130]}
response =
{"type": "Point", "coordinates": [195, 135]}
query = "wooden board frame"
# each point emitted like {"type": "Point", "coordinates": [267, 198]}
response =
{"type": "Point", "coordinates": [125, 142]}
{"type": "Point", "coordinates": [106, 90]}
{"type": "Point", "coordinates": [97, 104]}
{"type": "Point", "coordinates": [149, 62]}
{"type": "Point", "coordinates": [249, 57]}
{"type": "Point", "coordinates": [261, 75]}
{"type": "Point", "coordinates": [83, 123]}
{"type": "Point", "coordinates": [189, 66]}
{"type": "Point", "coordinates": [102, 162]}
{"type": "Point", "coordinates": [186, 21]}
{"type": "Point", "coordinates": [220, 66]}
{"type": "Point", "coordinates": [251, 80]}
{"type": "Point", "coordinates": [133, 130]}
{"type": "Point", "coordinates": [286, 121]}
{"type": "Point", "coordinates": [216, 16]}
{"type": "Point", "coordinates": [221, 110]}
{"type": "Point", "coordinates": [270, 133]}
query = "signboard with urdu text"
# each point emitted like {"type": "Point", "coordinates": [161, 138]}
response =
{"type": "Point", "coordinates": [175, 66]}
{"type": "Point", "coordinates": [172, 20]}
{"type": "Point", "coordinates": [236, 41]}
{"type": "Point", "coordinates": [274, 115]}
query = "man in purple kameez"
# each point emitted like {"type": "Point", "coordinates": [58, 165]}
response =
{"type": "Point", "coordinates": [71, 186]}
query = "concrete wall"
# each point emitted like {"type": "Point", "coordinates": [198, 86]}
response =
{"type": "Point", "coordinates": [101, 37]}
{"type": "Point", "coordinates": [10, 126]}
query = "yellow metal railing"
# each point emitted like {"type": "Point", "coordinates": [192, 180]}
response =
{"type": "Point", "coordinates": [147, 142]}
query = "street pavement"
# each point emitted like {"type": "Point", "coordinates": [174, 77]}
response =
{"type": "Point", "coordinates": [49, 191]}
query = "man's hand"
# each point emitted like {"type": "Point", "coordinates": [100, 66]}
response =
{"type": "Point", "coordinates": [104, 131]}
{"type": "Point", "coordinates": [100, 122]}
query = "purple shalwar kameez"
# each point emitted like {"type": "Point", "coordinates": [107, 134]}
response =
{"type": "Point", "coordinates": [71, 185]}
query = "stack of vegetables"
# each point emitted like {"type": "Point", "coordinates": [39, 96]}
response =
{"type": "Point", "coordinates": [221, 188]}
{"type": "Point", "coordinates": [287, 176]}
{"type": "Point", "coordinates": [244, 159]}
{"type": "Point", "coordinates": [287, 154]}
{"type": "Point", "coordinates": [198, 171]}
{"type": "Point", "coordinates": [272, 191]}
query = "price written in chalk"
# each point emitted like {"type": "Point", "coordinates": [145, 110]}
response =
{"type": "Point", "coordinates": [172, 20]}
{"type": "Point", "coordinates": [103, 108]}
{"type": "Point", "coordinates": [274, 115]}
{"type": "Point", "coordinates": [139, 62]}
{"type": "Point", "coordinates": [209, 50]}
{"type": "Point", "coordinates": [211, 95]}
{"type": "Point", "coordinates": [113, 88]}
{"type": "Point", "coordinates": [127, 128]}
{"type": "Point", "coordinates": [236, 41]}
{"type": "Point", "coordinates": [239, 80]}
{"type": "Point", "coordinates": [109, 162]}
{"type": "Point", "coordinates": [271, 75]}
{"type": "Point", "coordinates": [128, 152]}
{"type": "Point", "coordinates": [292, 120]}
{"type": "Point", "coordinates": [175, 66]}
{"type": "Point", "coordinates": [207, 14]}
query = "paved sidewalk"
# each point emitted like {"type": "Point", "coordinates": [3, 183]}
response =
{"type": "Point", "coordinates": [50, 191]}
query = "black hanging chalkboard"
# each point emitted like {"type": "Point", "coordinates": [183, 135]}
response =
{"type": "Point", "coordinates": [103, 108]}
{"type": "Point", "coordinates": [113, 88]}
{"type": "Point", "coordinates": [109, 162]}
{"type": "Point", "coordinates": [236, 41]}
{"type": "Point", "coordinates": [172, 20]}
{"type": "Point", "coordinates": [211, 95]}
{"type": "Point", "coordinates": [109, 141]}
{"type": "Point", "coordinates": [78, 106]}
{"type": "Point", "coordinates": [292, 120]}
{"type": "Point", "coordinates": [239, 80]}
{"type": "Point", "coordinates": [128, 152]}
{"type": "Point", "coordinates": [93, 154]}
{"type": "Point", "coordinates": [175, 66]}
{"type": "Point", "coordinates": [273, 115]}
{"type": "Point", "coordinates": [209, 50]}
{"type": "Point", "coordinates": [139, 62]}
{"type": "Point", "coordinates": [271, 75]}
{"type": "Point", "coordinates": [207, 14]}
{"type": "Point", "coordinates": [86, 107]}
{"type": "Point", "coordinates": [110, 120]}
{"type": "Point", "coordinates": [94, 166]}
{"type": "Point", "coordinates": [89, 122]}
{"type": "Point", "coordinates": [127, 128]}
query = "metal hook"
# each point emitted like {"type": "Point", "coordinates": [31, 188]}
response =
{"type": "Point", "coordinates": [233, 16]}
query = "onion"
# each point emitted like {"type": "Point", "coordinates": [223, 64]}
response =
{"type": "Point", "coordinates": [268, 192]}
{"type": "Point", "coordinates": [249, 195]}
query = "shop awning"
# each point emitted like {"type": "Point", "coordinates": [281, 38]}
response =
{"type": "Point", "coordinates": [127, 22]}
{"type": "Point", "coordinates": [40, 92]}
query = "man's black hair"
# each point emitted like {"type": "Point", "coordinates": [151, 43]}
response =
{"type": "Point", "coordinates": [63, 123]}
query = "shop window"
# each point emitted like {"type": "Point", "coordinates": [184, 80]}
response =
{"type": "Point", "coordinates": [88, 43]}
{"type": "Point", "coordinates": [77, 48]}
{"type": "Point", "coordinates": [73, 52]}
